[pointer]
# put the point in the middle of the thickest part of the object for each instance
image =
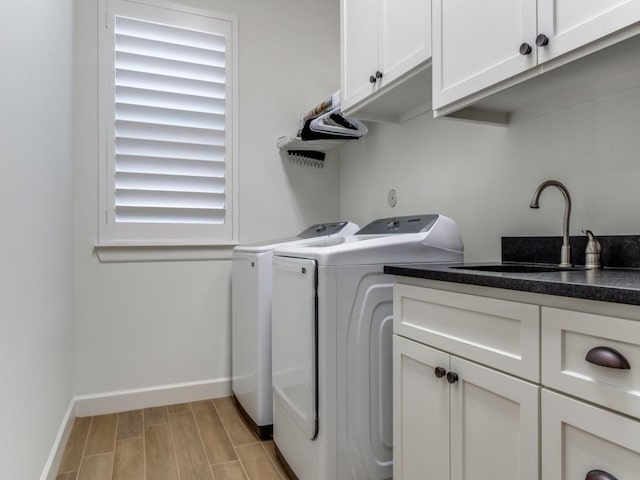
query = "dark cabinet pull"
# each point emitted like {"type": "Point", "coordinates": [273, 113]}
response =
{"type": "Point", "coordinates": [372, 79]}
{"type": "Point", "coordinates": [525, 49]}
{"type": "Point", "coordinates": [440, 372]}
{"type": "Point", "coordinates": [452, 377]}
{"type": "Point", "coordinates": [542, 40]}
{"type": "Point", "coordinates": [378, 75]}
{"type": "Point", "coordinates": [607, 357]}
{"type": "Point", "coordinates": [599, 475]}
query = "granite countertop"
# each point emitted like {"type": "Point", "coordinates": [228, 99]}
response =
{"type": "Point", "coordinates": [605, 285]}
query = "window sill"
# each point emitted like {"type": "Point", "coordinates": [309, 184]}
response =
{"type": "Point", "coordinates": [115, 253]}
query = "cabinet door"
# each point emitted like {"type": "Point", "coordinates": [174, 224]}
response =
{"type": "Point", "coordinates": [476, 45]}
{"type": "Point", "coordinates": [420, 412]}
{"type": "Point", "coordinates": [494, 425]}
{"type": "Point", "coordinates": [360, 58]}
{"type": "Point", "coordinates": [405, 40]}
{"type": "Point", "coordinates": [578, 438]}
{"type": "Point", "coordinates": [570, 24]}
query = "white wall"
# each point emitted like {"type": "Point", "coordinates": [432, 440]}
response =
{"type": "Point", "coordinates": [484, 176]}
{"type": "Point", "coordinates": [150, 324]}
{"type": "Point", "coordinates": [35, 231]}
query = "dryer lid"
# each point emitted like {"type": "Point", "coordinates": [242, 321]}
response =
{"type": "Point", "coordinates": [322, 229]}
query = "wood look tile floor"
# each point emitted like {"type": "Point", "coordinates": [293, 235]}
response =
{"type": "Point", "coordinates": [205, 440]}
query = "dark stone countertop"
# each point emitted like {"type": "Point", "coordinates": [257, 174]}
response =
{"type": "Point", "coordinates": [604, 285]}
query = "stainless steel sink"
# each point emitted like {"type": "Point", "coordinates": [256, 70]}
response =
{"type": "Point", "coordinates": [518, 268]}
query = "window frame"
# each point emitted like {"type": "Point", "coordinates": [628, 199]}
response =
{"type": "Point", "coordinates": [149, 246]}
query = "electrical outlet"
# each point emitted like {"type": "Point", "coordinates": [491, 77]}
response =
{"type": "Point", "coordinates": [392, 198]}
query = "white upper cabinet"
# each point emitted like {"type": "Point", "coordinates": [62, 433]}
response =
{"type": "Point", "coordinates": [569, 24]}
{"type": "Point", "coordinates": [481, 48]}
{"type": "Point", "coordinates": [405, 39]}
{"type": "Point", "coordinates": [384, 42]}
{"type": "Point", "coordinates": [360, 59]}
{"type": "Point", "coordinates": [477, 44]}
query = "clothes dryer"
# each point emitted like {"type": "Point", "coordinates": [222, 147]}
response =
{"type": "Point", "coordinates": [251, 321]}
{"type": "Point", "coordinates": [332, 344]}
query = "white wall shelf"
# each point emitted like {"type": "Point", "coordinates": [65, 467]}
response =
{"type": "Point", "coordinates": [296, 143]}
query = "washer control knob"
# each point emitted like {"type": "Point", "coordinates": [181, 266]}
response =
{"type": "Point", "coordinates": [395, 223]}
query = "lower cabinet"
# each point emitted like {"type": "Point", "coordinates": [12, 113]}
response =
{"type": "Point", "coordinates": [455, 419]}
{"type": "Point", "coordinates": [463, 412]}
{"type": "Point", "coordinates": [581, 441]}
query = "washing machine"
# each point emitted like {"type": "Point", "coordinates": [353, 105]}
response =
{"type": "Point", "coordinates": [251, 321]}
{"type": "Point", "coordinates": [332, 344]}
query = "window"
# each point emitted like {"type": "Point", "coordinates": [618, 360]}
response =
{"type": "Point", "coordinates": [168, 116]}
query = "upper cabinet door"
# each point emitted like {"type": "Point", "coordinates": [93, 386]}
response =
{"type": "Point", "coordinates": [360, 46]}
{"type": "Point", "coordinates": [477, 44]}
{"type": "Point", "coordinates": [405, 40]}
{"type": "Point", "coordinates": [569, 24]}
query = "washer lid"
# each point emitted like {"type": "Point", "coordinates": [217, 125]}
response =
{"type": "Point", "coordinates": [393, 225]}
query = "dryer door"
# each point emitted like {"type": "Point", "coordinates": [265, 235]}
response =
{"type": "Point", "coordinates": [294, 341]}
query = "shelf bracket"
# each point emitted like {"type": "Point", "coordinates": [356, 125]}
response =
{"type": "Point", "coordinates": [308, 158]}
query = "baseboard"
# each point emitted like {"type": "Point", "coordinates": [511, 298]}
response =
{"type": "Point", "coordinates": [123, 400]}
{"type": "Point", "coordinates": [134, 399]}
{"type": "Point", "coordinates": [57, 450]}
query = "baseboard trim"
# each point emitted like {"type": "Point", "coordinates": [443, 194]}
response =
{"type": "Point", "coordinates": [123, 400]}
{"type": "Point", "coordinates": [57, 450]}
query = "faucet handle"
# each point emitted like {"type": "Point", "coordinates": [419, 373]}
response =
{"type": "Point", "coordinates": [593, 251]}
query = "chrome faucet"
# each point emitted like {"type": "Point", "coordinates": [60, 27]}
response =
{"type": "Point", "coordinates": [565, 252]}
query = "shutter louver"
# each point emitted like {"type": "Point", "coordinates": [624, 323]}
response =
{"type": "Point", "coordinates": [170, 134]}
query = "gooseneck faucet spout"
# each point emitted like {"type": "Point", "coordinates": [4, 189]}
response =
{"type": "Point", "coordinates": [565, 252]}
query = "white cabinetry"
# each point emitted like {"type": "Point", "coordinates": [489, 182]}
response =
{"type": "Point", "coordinates": [479, 46]}
{"type": "Point", "coordinates": [384, 44]}
{"type": "Point", "coordinates": [573, 341]}
{"type": "Point", "coordinates": [360, 56]}
{"type": "Point", "coordinates": [488, 388]}
{"type": "Point", "coordinates": [578, 438]}
{"type": "Point", "coordinates": [595, 358]}
{"type": "Point", "coordinates": [570, 24]}
{"type": "Point", "coordinates": [475, 46]}
{"type": "Point", "coordinates": [498, 333]}
{"type": "Point", "coordinates": [421, 403]}
{"type": "Point", "coordinates": [454, 418]}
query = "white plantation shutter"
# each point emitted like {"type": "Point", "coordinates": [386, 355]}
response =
{"type": "Point", "coordinates": [169, 140]}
